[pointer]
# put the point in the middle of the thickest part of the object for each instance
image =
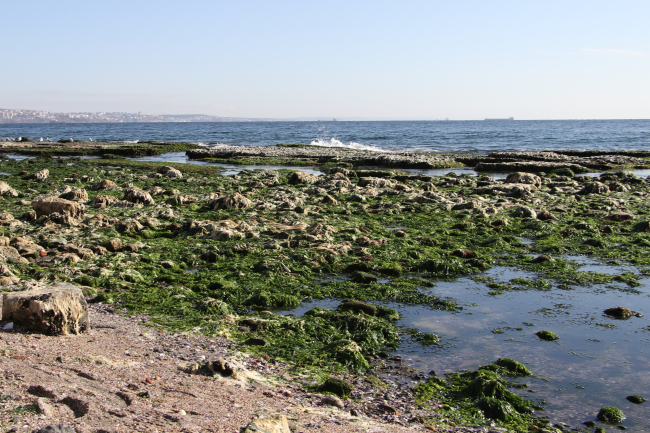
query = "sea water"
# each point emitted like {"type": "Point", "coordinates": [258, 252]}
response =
{"type": "Point", "coordinates": [427, 136]}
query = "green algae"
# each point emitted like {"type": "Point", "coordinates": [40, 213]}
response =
{"type": "Point", "coordinates": [610, 415]}
{"type": "Point", "coordinates": [547, 335]}
{"type": "Point", "coordinates": [236, 284]}
{"type": "Point", "coordinates": [471, 397]}
{"type": "Point", "coordinates": [336, 386]}
{"type": "Point", "coordinates": [142, 148]}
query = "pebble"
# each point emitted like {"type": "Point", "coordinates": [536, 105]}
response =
{"type": "Point", "coordinates": [8, 327]}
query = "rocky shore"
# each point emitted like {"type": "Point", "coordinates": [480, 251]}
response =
{"type": "Point", "coordinates": [186, 272]}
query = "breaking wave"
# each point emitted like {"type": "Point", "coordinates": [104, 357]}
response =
{"type": "Point", "coordinates": [333, 142]}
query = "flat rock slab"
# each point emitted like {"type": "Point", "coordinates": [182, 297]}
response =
{"type": "Point", "coordinates": [528, 166]}
{"type": "Point", "coordinates": [59, 309]}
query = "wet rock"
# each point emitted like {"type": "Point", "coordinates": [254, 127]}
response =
{"type": "Point", "coordinates": [254, 341]}
{"type": "Point", "coordinates": [619, 313]}
{"type": "Point", "coordinates": [129, 225]}
{"type": "Point", "coordinates": [513, 367]}
{"type": "Point", "coordinates": [358, 307]}
{"type": "Point", "coordinates": [276, 423]}
{"type": "Point", "coordinates": [594, 188]}
{"type": "Point", "coordinates": [170, 172]}
{"type": "Point", "coordinates": [104, 184]}
{"type": "Point", "coordinates": [332, 400]}
{"type": "Point", "coordinates": [58, 309]}
{"type": "Point", "coordinates": [328, 199]}
{"type": "Point", "coordinates": [134, 195]}
{"type": "Point", "coordinates": [225, 234]}
{"type": "Point", "coordinates": [546, 216]}
{"type": "Point", "coordinates": [336, 386]}
{"type": "Point", "coordinates": [620, 217]}
{"type": "Point", "coordinates": [642, 226]}
{"type": "Point", "coordinates": [78, 194]}
{"type": "Point", "coordinates": [429, 186]}
{"type": "Point", "coordinates": [610, 414]}
{"type": "Point", "coordinates": [375, 182]}
{"type": "Point", "coordinates": [524, 212]}
{"type": "Point", "coordinates": [526, 178]}
{"type": "Point", "coordinates": [231, 201]}
{"type": "Point", "coordinates": [542, 258]}
{"type": "Point", "coordinates": [636, 399]}
{"type": "Point", "coordinates": [465, 206]}
{"type": "Point", "coordinates": [113, 245]}
{"type": "Point", "coordinates": [104, 200]}
{"type": "Point", "coordinates": [364, 278]}
{"type": "Point", "coordinates": [365, 241]}
{"type": "Point", "coordinates": [11, 254]}
{"type": "Point", "coordinates": [464, 254]}
{"type": "Point", "coordinates": [547, 336]}
{"type": "Point", "coordinates": [300, 177]}
{"type": "Point", "coordinates": [6, 190]}
{"type": "Point", "coordinates": [41, 175]}
{"type": "Point", "coordinates": [49, 205]}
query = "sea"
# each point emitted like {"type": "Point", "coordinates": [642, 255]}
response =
{"type": "Point", "coordinates": [424, 136]}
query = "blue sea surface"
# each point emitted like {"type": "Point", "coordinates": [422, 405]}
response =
{"type": "Point", "coordinates": [429, 136]}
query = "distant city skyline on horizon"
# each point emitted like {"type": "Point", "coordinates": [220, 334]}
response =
{"type": "Point", "coordinates": [13, 116]}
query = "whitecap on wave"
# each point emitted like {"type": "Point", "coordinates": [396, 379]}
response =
{"type": "Point", "coordinates": [204, 144]}
{"type": "Point", "coordinates": [333, 142]}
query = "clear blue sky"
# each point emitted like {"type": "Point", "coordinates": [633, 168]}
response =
{"type": "Point", "coordinates": [372, 59]}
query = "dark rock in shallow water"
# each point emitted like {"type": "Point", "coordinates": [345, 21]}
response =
{"type": "Point", "coordinates": [610, 414]}
{"type": "Point", "coordinates": [364, 277]}
{"type": "Point", "coordinates": [357, 306]}
{"type": "Point", "coordinates": [636, 399]}
{"type": "Point", "coordinates": [547, 336]}
{"type": "Point", "coordinates": [619, 312]}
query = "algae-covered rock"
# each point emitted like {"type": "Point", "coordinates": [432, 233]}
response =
{"type": "Point", "coordinates": [494, 408]}
{"type": "Point", "coordinates": [526, 178]}
{"type": "Point", "coordinates": [594, 188]}
{"type": "Point", "coordinates": [512, 367]}
{"type": "Point", "coordinates": [610, 414]}
{"type": "Point", "coordinates": [348, 353]}
{"type": "Point", "coordinates": [78, 194]}
{"type": "Point", "coordinates": [300, 177]}
{"type": "Point", "coordinates": [547, 336]}
{"type": "Point", "coordinates": [50, 205]}
{"type": "Point", "coordinates": [364, 277]}
{"type": "Point", "coordinates": [336, 386]}
{"type": "Point", "coordinates": [135, 195]}
{"type": "Point", "coordinates": [7, 190]}
{"type": "Point", "coordinates": [231, 201]}
{"type": "Point", "coordinates": [464, 254]}
{"type": "Point", "coordinates": [524, 212]}
{"type": "Point", "coordinates": [620, 313]}
{"type": "Point", "coordinates": [358, 307]}
{"type": "Point", "coordinates": [104, 184]}
{"type": "Point", "coordinates": [636, 399]}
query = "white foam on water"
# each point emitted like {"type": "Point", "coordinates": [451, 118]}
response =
{"type": "Point", "coordinates": [333, 142]}
{"type": "Point", "coordinates": [131, 141]}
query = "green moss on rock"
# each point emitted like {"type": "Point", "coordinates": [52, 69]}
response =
{"type": "Point", "coordinates": [610, 415]}
{"type": "Point", "coordinates": [547, 335]}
